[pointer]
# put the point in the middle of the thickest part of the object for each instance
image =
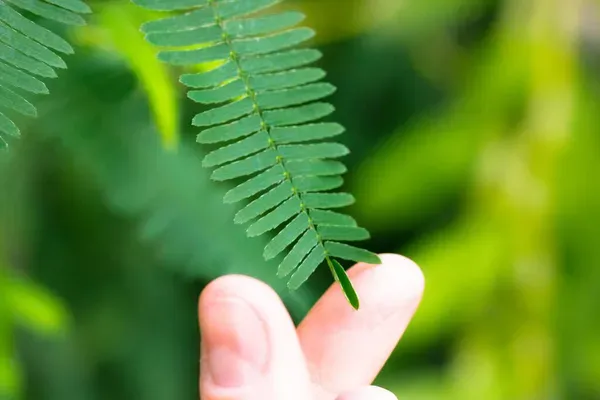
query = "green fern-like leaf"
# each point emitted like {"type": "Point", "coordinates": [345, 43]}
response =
{"type": "Point", "coordinates": [28, 53]}
{"type": "Point", "coordinates": [266, 107]}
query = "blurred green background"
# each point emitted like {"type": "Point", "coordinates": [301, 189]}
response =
{"type": "Point", "coordinates": [474, 126]}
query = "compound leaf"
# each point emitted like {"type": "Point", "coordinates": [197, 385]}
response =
{"type": "Point", "coordinates": [265, 106]}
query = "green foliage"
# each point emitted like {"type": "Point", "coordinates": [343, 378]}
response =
{"type": "Point", "coordinates": [33, 307]}
{"type": "Point", "coordinates": [30, 49]}
{"type": "Point", "coordinates": [27, 305]}
{"type": "Point", "coordinates": [267, 130]}
{"type": "Point", "coordinates": [456, 111]}
{"type": "Point", "coordinates": [115, 25]}
{"type": "Point", "coordinates": [172, 207]}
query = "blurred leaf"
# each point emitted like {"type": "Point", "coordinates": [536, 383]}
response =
{"type": "Point", "coordinates": [354, 18]}
{"type": "Point", "coordinates": [578, 229]}
{"type": "Point", "coordinates": [462, 266]}
{"type": "Point", "coordinates": [415, 172]}
{"type": "Point", "coordinates": [414, 19]}
{"type": "Point", "coordinates": [10, 379]}
{"type": "Point", "coordinates": [418, 385]}
{"type": "Point", "coordinates": [116, 27]}
{"type": "Point", "coordinates": [35, 308]}
{"type": "Point", "coordinates": [479, 369]}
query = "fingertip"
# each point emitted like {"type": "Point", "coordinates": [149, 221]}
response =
{"type": "Point", "coordinates": [400, 277]}
{"type": "Point", "coordinates": [238, 286]}
{"type": "Point", "coordinates": [402, 269]}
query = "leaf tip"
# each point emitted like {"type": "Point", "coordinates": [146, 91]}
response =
{"type": "Point", "coordinates": [207, 162]}
{"type": "Point", "coordinates": [253, 232]}
{"type": "Point", "coordinates": [268, 254]}
{"type": "Point", "coordinates": [292, 286]}
{"type": "Point", "coordinates": [229, 198]}
{"type": "Point", "coordinates": [217, 175]}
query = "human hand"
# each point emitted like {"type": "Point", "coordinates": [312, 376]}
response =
{"type": "Point", "coordinates": [252, 351]}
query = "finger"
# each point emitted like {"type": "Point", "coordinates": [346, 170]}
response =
{"type": "Point", "coordinates": [345, 349]}
{"type": "Point", "coordinates": [368, 393]}
{"type": "Point", "coordinates": [250, 350]}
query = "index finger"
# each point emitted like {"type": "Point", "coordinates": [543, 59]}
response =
{"type": "Point", "coordinates": [345, 349]}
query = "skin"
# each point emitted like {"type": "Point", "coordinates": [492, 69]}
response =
{"type": "Point", "coordinates": [251, 349]}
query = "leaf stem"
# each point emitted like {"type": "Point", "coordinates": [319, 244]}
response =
{"type": "Point", "coordinates": [251, 93]}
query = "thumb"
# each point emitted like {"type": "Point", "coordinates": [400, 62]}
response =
{"type": "Point", "coordinates": [250, 350]}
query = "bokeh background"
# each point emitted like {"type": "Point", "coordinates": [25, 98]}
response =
{"type": "Point", "coordinates": [475, 130]}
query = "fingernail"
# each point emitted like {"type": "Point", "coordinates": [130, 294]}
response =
{"type": "Point", "coordinates": [234, 341]}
